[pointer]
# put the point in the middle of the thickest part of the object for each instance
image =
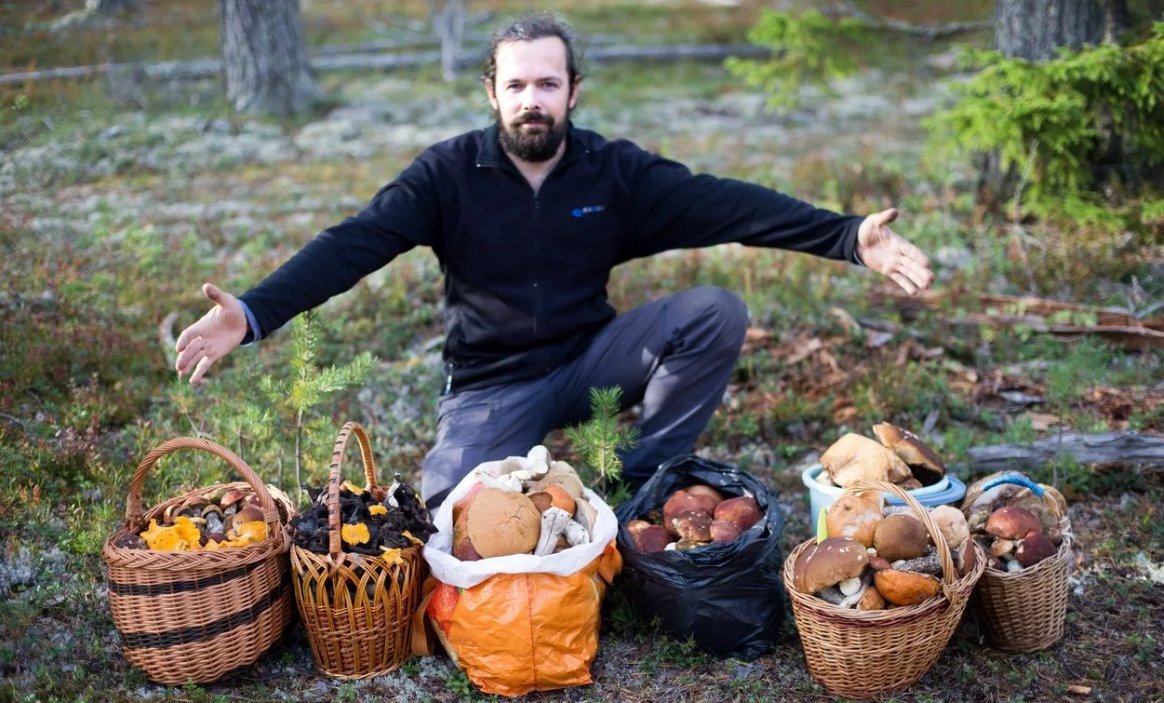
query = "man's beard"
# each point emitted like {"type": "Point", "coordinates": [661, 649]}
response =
{"type": "Point", "coordinates": [534, 147]}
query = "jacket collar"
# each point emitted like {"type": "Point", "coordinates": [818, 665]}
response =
{"type": "Point", "coordinates": [491, 153]}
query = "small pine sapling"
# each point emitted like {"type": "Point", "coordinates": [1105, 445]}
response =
{"type": "Point", "coordinates": [600, 439]}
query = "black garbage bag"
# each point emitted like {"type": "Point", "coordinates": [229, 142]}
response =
{"type": "Point", "coordinates": [728, 596]}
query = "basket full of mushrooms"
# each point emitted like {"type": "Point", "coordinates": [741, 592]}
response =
{"type": "Point", "coordinates": [878, 593]}
{"type": "Point", "coordinates": [1021, 600]}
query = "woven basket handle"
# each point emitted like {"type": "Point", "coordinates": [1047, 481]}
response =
{"type": "Point", "coordinates": [335, 478]}
{"type": "Point", "coordinates": [1030, 485]}
{"type": "Point", "coordinates": [133, 510]}
{"type": "Point", "coordinates": [949, 574]}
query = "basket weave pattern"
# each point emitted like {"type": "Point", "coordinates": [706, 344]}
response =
{"type": "Point", "coordinates": [198, 616]}
{"type": "Point", "coordinates": [859, 654]}
{"type": "Point", "coordinates": [1024, 611]}
{"type": "Point", "coordinates": [357, 609]}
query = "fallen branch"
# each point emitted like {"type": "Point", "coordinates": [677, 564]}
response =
{"type": "Point", "coordinates": [1092, 449]}
{"type": "Point", "coordinates": [930, 32]}
{"type": "Point", "coordinates": [210, 68]}
{"type": "Point", "coordinates": [1068, 320]}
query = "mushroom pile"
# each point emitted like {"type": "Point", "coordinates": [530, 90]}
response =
{"type": "Point", "coordinates": [1017, 528]}
{"type": "Point", "coordinates": [898, 456]}
{"type": "Point", "coordinates": [693, 517]}
{"type": "Point", "coordinates": [533, 506]}
{"type": "Point", "coordinates": [373, 522]}
{"type": "Point", "coordinates": [229, 518]}
{"type": "Point", "coordinates": [870, 557]}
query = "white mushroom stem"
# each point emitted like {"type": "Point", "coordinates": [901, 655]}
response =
{"type": "Point", "coordinates": [836, 596]}
{"type": "Point", "coordinates": [555, 522]}
{"type": "Point", "coordinates": [506, 482]}
{"type": "Point", "coordinates": [576, 534]}
{"type": "Point", "coordinates": [1012, 564]}
{"type": "Point", "coordinates": [850, 586]}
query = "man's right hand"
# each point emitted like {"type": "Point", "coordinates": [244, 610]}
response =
{"type": "Point", "coordinates": [213, 337]}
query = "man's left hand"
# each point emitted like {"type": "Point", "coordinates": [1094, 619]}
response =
{"type": "Point", "coordinates": [890, 254]}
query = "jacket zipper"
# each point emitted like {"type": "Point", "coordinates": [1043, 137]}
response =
{"type": "Point", "coordinates": [539, 302]}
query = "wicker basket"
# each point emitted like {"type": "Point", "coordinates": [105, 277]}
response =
{"type": "Point", "coordinates": [860, 654]}
{"type": "Point", "coordinates": [357, 609]}
{"type": "Point", "coordinates": [1024, 611]}
{"type": "Point", "coordinates": [200, 615]}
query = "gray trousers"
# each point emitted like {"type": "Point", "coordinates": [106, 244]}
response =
{"type": "Point", "coordinates": [674, 355]}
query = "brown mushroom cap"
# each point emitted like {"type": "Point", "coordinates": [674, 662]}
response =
{"type": "Point", "coordinates": [1034, 548]}
{"type": "Point", "coordinates": [952, 524]}
{"type": "Point", "coordinates": [900, 536]}
{"type": "Point", "coordinates": [681, 502]}
{"type": "Point", "coordinates": [693, 526]}
{"type": "Point", "coordinates": [889, 434]}
{"type": "Point", "coordinates": [828, 563]}
{"type": "Point", "coordinates": [924, 462]}
{"type": "Point", "coordinates": [559, 474]}
{"type": "Point", "coordinates": [462, 545]}
{"type": "Point", "coordinates": [905, 587]}
{"type": "Point", "coordinates": [871, 600]}
{"type": "Point", "coordinates": [744, 511]}
{"type": "Point", "coordinates": [707, 495]}
{"type": "Point", "coordinates": [1010, 522]}
{"type": "Point", "coordinates": [724, 531]}
{"type": "Point", "coordinates": [502, 522]}
{"type": "Point", "coordinates": [855, 515]}
{"type": "Point", "coordinates": [855, 458]}
{"type": "Point", "coordinates": [650, 539]}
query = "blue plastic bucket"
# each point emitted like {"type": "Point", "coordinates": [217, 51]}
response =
{"type": "Point", "coordinates": [821, 496]}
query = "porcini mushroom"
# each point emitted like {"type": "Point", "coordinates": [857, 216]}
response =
{"type": "Point", "coordinates": [828, 563]}
{"type": "Point", "coordinates": [1012, 523]}
{"type": "Point", "coordinates": [855, 515]}
{"type": "Point", "coordinates": [681, 502]}
{"type": "Point", "coordinates": [924, 462]}
{"type": "Point", "coordinates": [900, 536]}
{"type": "Point", "coordinates": [502, 522]}
{"type": "Point", "coordinates": [744, 511]}
{"type": "Point", "coordinates": [693, 526]}
{"type": "Point", "coordinates": [854, 458]}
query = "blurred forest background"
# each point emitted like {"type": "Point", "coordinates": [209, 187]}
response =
{"type": "Point", "coordinates": [147, 146]}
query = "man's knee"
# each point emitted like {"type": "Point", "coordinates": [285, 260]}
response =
{"type": "Point", "coordinates": [723, 310]}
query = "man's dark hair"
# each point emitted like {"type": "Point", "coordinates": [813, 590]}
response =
{"type": "Point", "coordinates": [535, 26]}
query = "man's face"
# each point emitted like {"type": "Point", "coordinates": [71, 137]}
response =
{"type": "Point", "coordinates": [532, 97]}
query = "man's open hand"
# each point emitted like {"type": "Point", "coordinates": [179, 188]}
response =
{"type": "Point", "coordinates": [213, 337]}
{"type": "Point", "coordinates": [888, 253]}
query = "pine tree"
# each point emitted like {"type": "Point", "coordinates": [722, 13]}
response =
{"type": "Point", "coordinates": [600, 439]}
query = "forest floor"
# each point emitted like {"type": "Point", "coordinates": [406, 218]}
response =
{"type": "Point", "coordinates": [119, 197]}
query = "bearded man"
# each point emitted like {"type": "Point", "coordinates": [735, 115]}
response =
{"type": "Point", "coordinates": [527, 218]}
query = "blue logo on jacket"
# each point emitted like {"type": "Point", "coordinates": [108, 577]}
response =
{"type": "Point", "coordinates": [586, 210]}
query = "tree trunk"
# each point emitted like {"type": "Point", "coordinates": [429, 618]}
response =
{"type": "Point", "coordinates": [107, 7]}
{"type": "Point", "coordinates": [448, 24]}
{"type": "Point", "coordinates": [1036, 29]}
{"type": "Point", "coordinates": [265, 64]}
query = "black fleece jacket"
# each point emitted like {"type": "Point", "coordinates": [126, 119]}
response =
{"type": "Point", "coordinates": [526, 273]}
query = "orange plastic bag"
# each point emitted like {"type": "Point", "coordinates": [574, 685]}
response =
{"type": "Point", "coordinates": [518, 623]}
{"type": "Point", "coordinates": [517, 633]}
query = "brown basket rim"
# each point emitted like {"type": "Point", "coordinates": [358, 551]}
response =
{"type": "Point", "coordinates": [1048, 498]}
{"type": "Point", "coordinates": [135, 519]}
